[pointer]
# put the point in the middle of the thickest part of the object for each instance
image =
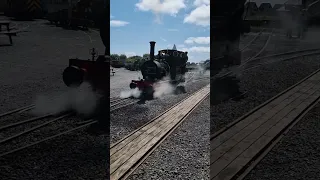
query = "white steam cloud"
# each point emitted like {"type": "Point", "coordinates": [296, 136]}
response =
{"type": "Point", "coordinates": [162, 89]}
{"type": "Point", "coordinates": [82, 100]}
{"type": "Point", "coordinates": [130, 93]}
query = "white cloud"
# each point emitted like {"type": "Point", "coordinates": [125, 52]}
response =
{"type": "Point", "coordinates": [117, 23]}
{"type": "Point", "coordinates": [173, 30]}
{"type": "Point", "coordinates": [197, 49]}
{"type": "Point", "coordinates": [163, 39]}
{"type": "Point", "coordinates": [200, 49]}
{"type": "Point", "coordinates": [198, 40]}
{"type": "Point", "coordinates": [201, 2]}
{"type": "Point", "coordinates": [129, 54]}
{"type": "Point", "coordinates": [171, 7]}
{"type": "Point", "coordinates": [199, 16]}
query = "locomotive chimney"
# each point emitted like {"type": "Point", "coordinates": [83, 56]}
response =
{"type": "Point", "coordinates": [152, 45]}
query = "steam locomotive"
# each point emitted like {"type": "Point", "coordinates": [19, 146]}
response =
{"type": "Point", "coordinates": [170, 62]}
{"type": "Point", "coordinates": [96, 72]}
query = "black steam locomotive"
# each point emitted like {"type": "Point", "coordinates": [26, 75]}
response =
{"type": "Point", "coordinates": [169, 63]}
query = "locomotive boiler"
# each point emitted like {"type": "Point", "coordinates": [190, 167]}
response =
{"type": "Point", "coordinates": [170, 63]}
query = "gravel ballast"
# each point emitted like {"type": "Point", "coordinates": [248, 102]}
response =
{"type": "Point", "coordinates": [184, 154]}
{"type": "Point", "coordinates": [33, 66]}
{"type": "Point", "coordinates": [261, 84]}
{"type": "Point", "coordinates": [296, 156]}
{"type": "Point", "coordinates": [126, 120]}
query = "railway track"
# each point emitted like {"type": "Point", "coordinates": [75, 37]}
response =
{"type": "Point", "coordinates": [255, 61]}
{"type": "Point", "coordinates": [238, 147]}
{"type": "Point", "coordinates": [250, 55]}
{"type": "Point", "coordinates": [128, 153]}
{"type": "Point", "coordinates": [19, 124]}
{"type": "Point", "coordinates": [285, 56]}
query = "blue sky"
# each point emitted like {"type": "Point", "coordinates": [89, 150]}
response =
{"type": "Point", "coordinates": [133, 23]}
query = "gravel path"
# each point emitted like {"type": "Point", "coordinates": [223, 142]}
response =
{"type": "Point", "coordinates": [296, 156]}
{"type": "Point", "coordinates": [121, 80]}
{"type": "Point", "coordinates": [74, 156]}
{"type": "Point", "coordinates": [262, 84]}
{"type": "Point", "coordinates": [184, 154]}
{"type": "Point", "coordinates": [33, 66]}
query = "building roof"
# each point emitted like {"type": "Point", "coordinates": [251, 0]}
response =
{"type": "Point", "coordinates": [174, 47]}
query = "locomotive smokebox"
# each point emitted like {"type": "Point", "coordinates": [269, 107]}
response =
{"type": "Point", "coordinates": [152, 45]}
{"type": "Point", "coordinates": [73, 76]}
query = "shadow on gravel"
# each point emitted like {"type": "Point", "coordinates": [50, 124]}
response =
{"type": "Point", "coordinates": [63, 158]}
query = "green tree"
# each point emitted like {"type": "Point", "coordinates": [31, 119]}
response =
{"type": "Point", "coordinates": [146, 56]}
{"type": "Point", "coordinates": [129, 60]}
{"type": "Point", "coordinates": [135, 62]}
{"type": "Point", "coordinates": [114, 57]}
{"type": "Point", "coordinates": [123, 57]}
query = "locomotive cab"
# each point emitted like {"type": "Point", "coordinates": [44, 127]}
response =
{"type": "Point", "coordinates": [177, 60]}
